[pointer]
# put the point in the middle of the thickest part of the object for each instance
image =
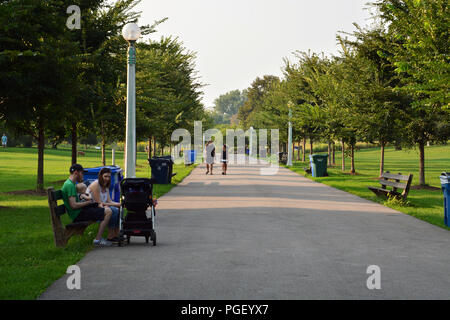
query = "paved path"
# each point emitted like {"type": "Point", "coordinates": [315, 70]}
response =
{"type": "Point", "coordinates": [248, 236]}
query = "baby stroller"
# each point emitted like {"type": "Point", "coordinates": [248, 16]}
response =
{"type": "Point", "coordinates": [137, 199]}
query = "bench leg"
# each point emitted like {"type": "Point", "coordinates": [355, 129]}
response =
{"type": "Point", "coordinates": [69, 233]}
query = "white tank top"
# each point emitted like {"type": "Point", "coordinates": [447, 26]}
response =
{"type": "Point", "coordinates": [103, 195]}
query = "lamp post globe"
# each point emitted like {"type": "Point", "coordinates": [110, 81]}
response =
{"type": "Point", "coordinates": [131, 32]}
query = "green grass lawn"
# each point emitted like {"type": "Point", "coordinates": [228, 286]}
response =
{"type": "Point", "coordinates": [29, 260]}
{"type": "Point", "coordinates": [427, 205]}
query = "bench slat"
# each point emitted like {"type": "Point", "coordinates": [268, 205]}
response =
{"type": "Point", "coordinates": [56, 195]}
{"type": "Point", "coordinates": [395, 176]}
{"type": "Point", "coordinates": [78, 224]}
{"type": "Point", "coordinates": [379, 189]}
{"type": "Point", "coordinates": [393, 184]}
{"type": "Point", "coordinates": [60, 210]}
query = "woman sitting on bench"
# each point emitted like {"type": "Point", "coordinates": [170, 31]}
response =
{"type": "Point", "coordinates": [99, 192]}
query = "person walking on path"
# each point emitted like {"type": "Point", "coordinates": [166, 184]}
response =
{"type": "Point", "coordinates": [4, 140]}
{"type": "Point", "coordinates": [224, 159]}
{"type": "Point", "coordinates": [84, 211]}
{"type": "Point", "coordinates": [210, 154]}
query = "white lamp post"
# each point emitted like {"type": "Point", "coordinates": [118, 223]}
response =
{"type": "Point", "coordinates": [289, 160]}
{"type": "Point", "coordinates": [250, 148]}
{"type": "Point", "coordinates": [131, 33]}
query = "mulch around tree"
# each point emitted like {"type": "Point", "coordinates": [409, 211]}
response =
{"type": "Point", "coordinates": [425, 188]}
{"type": "Point", "coordinates": [27, 193]}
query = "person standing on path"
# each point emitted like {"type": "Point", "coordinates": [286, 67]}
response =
{"type": "Point", "coordinates": [224, 159]}
{"type": "Point", "coordinates": [210, 154]}
{"type": "Point", "coordinates": [4, 140]}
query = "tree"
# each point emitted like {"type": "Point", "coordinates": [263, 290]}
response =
{"type": "Point", "coordinates": [168, 91]}
{"type": "Point", "coordinates": [421, 55]}
{"type": "Point", "coordinates": [227, 105]}
{"type": "Point", "coordinates": [36, 61]}
{"type": "Point", "coordinates": [255, 96]}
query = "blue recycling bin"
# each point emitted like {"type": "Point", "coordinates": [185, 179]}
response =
{"type": "Point", "coordinates": [445, 183]}
{"type": "Point", "coordinates": [91, 174]}
{"type": "Point", "coordinates": [190, 156]}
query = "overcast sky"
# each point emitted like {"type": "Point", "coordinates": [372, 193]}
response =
{"type": "Point", "coordinates": [239, 40]}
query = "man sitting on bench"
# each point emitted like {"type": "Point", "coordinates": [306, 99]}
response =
{"type": "Point", "coordinates": [84, 211]}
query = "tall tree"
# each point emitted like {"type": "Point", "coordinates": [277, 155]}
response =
{"type": "Point", "coordinates": [36, 63]}
{"type": "Point", "coordinates": [255, 96]}
{"type": "Point", "coordinates": [421, 55]}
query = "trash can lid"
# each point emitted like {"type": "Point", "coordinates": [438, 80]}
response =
{"type": "Point", "coordinates": [315, 156]}
{"type": "Point", "coordinates": [114, 169]}
{"type": "Point", "coordinates": [445, 178]}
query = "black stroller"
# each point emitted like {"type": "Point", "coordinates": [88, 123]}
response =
{"type": "Point", "coordinates": [137, 199]}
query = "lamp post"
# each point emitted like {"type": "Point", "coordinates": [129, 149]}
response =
{"type": "Point", "coordinates": [289, 160]}
{"type": "Point", "coordinates": [131, 33]}
{"type": "Point", "coordinates": [250, 147]}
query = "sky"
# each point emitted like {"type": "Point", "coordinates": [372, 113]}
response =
{"type": "Point", "coordinates": [239, 40]}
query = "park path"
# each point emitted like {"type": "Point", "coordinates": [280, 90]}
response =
{"type": "Point", "coordinates": [249, 236]}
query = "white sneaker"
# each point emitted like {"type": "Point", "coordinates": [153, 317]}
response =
{"type": "Point", "coordinates": [102, 243]}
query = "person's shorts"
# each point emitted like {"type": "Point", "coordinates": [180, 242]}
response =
{"type": "Point", "coordinates": [90, 214]}
{"type": "Point", "coordinates": [224, 161]}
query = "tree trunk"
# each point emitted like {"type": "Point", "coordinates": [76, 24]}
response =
{"type": "Point", "coordinates": [352, 155]}
{"type": "Point", "coordinates": [329, 153]}
{"type": "Point", "coordinates": [103, 145]}
{"type": "Point", "coordinates": [343, 156]}
{"type": "Point", "coordinates": [334, 154]}
{"type": "Point", "coordinates": [103, 151]}
{"type": "Point", "coordinates": [74, 142]}
{"type": "Point", "coordinates": [422, 163]}
{"type": "Point", "coordinates": [293, 151]}
{"type": "Point", "coordinates": [41, 147]}
{"type": "Point", "coordinates": [154, 146]}
{"type": "Point", "coordinates": [298, 151]}
{"type": "Point", "coordinates": [304, 150]}
{"type": "Point", "coordinates": [311, 149]}
{"type": "Point", "coordinates": [383, 144]}
{"type": "Point", "coordinates": [149, 150]}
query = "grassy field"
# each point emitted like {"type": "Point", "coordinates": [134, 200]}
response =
{"type": "Point", "coordinates": [423, 204]}
{"type": "Point", "coordinates": [29, 260]}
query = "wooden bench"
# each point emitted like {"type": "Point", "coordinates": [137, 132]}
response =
{"type": "Point", "coordinates": [385, 181]}
{"type": "Point", "coordinates": [62, 234]}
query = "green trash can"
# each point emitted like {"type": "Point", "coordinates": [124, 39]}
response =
{"type": "Point", "coordinates": [318, 165]}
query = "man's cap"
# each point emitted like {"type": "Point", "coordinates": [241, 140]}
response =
{"type": "Point", "coordinates": [76, 167]}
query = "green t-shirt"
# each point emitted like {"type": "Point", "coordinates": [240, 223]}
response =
{"type": "Point", "coordinates": [69, 190]}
